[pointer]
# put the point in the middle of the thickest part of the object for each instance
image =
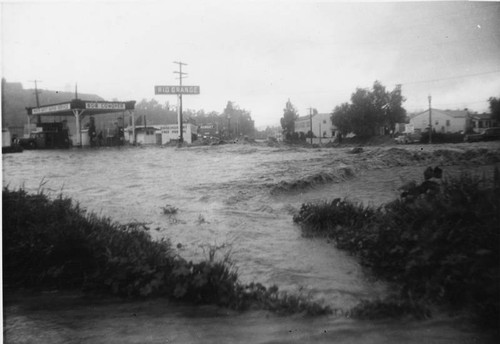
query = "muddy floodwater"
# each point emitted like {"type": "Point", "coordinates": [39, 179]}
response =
{"type": "Point", "coordinates": [240, 198]}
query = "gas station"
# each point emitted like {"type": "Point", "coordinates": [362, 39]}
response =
{"type": "Point", "coordinates": [55, 134]}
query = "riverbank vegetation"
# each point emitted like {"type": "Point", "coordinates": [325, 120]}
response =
{"type": "Point", "coordinates": [53, 244]}
{"type": "Point", "coordinates": [438, 245]}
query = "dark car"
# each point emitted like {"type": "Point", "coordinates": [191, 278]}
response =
{"type": "Point", "coordinates": [28, 143]}
{"type": "Point", "coordinates": [489, 134]}
{"type": "Point", "coordinates": [409, 138]}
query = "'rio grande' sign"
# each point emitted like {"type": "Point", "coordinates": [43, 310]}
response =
{"type": "Point", "coordinates": [177, 89]}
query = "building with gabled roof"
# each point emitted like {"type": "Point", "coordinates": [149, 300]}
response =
{"type": "Point", "coordinates": [321, 125]}
{"type": "Point", "coordinates": [481, 121]}
{"type": "Point", "coordinates": [443, 121]}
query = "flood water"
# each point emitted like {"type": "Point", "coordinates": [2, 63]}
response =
{"type": "Point", "coordinates": [240, 198]}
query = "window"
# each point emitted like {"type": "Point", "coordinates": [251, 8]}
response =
{"type": "Point", "coordinates": [324, 121]}
{"type": "Point", "coordinates": [447, 122]}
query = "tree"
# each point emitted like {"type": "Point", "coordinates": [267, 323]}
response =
{"type": "Point", "coordinates": [341, 118]}
{"type": "Point", "coordinates": [370, 110]}
{"type": "Point", "coordinates": [495, 108]}
{"type": "Point", "coordinates": [155, 113]}
{"type": "Point", "coordinates": [363, 113]}
{"type": "Point", "coordinates": [228, 113]}
{"type": "Point", "coordinates": [290, 115]}
{"type": "Point", "coordinates": [395, 113]}
{"type": "Point", "coordinates": [239, 121]}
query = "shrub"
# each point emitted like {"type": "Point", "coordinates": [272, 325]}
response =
{"type": "Point", "coordinates": [169, 210]}
{"type": "Point", "coordinates": [54, 244]}
{"type": "Point", "coordinates": [440, 247]}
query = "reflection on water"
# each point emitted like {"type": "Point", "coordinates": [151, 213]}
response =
{"type": "Point", "coordinates": [224, 197]}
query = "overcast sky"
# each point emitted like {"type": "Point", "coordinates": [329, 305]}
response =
{"type": "Point", "coordinates": [258, 53]}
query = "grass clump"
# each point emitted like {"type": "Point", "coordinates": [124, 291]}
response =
{"type": "Point", "coordinates": [169, 210]}
{"type": "Point", "coordinates": [54, 244]}
{"type": "Point", "coordinates": [439, 247]}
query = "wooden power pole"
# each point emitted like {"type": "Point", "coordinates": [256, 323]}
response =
{"type": "Point", "coordinates": [311, 124]}
{"type": "Point", "coordinates": [430, 120]}
{"type": "Point", "coordinates": [179, 109]}
{"type": "Point", "coordinates": [37, 92]}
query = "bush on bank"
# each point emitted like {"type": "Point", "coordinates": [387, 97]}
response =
{"type": "Point", "coordinates": [440, 247]}
{"type": "Point", "coordinates": [54, 244]}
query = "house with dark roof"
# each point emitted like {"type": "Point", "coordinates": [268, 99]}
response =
{"type": "Point", "coordinates": [480, 122]}
{"type": "Point", "coordinates": [443, 121]}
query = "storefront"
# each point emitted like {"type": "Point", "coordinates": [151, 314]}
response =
{"type": "Point", "coordinates": [78, 109]}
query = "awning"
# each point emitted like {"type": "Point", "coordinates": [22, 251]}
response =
{"type": "Point", "coordinates": [91, 108]}
{"type": "Point", "coordinates": [81, 108]}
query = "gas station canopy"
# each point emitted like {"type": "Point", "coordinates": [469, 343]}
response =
{"type": "Point", "coordinates": [81, 108]}
{"type": "Point", "coordinates": [86, 107]}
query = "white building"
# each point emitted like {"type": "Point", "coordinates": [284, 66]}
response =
{"type": "Point", "coordinates": [160, 134]}
{"type": "Point", "coordinates": [170, 132]}
{"type": "Point", "coordinates": [443, 121]}
{"type": "Point", "coordinates": [321, 126]}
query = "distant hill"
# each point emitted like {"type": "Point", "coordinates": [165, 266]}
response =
{"type": "Point", "coordinates": [15, 99]}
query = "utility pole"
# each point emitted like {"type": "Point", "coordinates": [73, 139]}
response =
{"type": "Point", "coordinates": [311, 123]}
{"type": "Point", "coordinates": [179, 108]}
{"type": "Point", "coordinates": [430, 120]}
{"type": "Point", "coordinates": [320, 134]}
{"type": "Point", "coordinates": [38, 119]}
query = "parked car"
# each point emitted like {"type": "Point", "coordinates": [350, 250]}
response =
{"type": "Point", "coordinates": [408, 138]}
{"type": "Point", "coordinates": [489, 134]}
{"type": "Point", "coordinates": [28, 143]}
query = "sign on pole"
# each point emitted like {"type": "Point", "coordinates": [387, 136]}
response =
{"type": "Point", "coordinates": [177, 89]}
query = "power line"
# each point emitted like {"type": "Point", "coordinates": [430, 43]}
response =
{"type": "Point", "coordinates": [449, 78]}
{"type": "Point", "coordinates": [439, 104]}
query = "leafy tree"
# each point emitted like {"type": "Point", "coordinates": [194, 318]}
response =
{"type": "Point", "coordinates": [244, 123]}
{"type": "Point", "coordinates": [290, 115]}
{"type": "Point", "coordinates": [239, 121]}
{"type": "Point", "coordinates": [155, 112]}
{"type": "Point", "coordinates": [370, 110]}
{"type": "Point", "coordinates": [395, 112]}
{"type": "Point", "coordinates": [228, 113]}
{"type": "Point", "coordinates": [364, 114]}
{"type": "Point", "coordinates": [495, 108]}
{"type": "Point", "coordinates": [341, 118]}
